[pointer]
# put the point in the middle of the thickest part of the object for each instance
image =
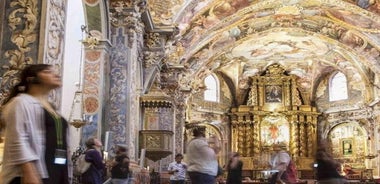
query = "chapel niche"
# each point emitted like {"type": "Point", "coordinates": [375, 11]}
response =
{"type": "Point", "coordinates": [274, 113]}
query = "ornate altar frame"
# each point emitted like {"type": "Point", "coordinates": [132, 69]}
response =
{"type": "Point", "coordinates": [274, 101]}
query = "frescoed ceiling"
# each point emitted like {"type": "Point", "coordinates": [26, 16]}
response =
{"type": "Point", "coordinates": [240, 38]}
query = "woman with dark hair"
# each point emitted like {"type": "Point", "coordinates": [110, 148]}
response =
{"type": "Point", "coordinates": [36, 136]}
{"type": "Point", "coordinates": [234, 169]}
{"type": "Point", "coordinates": [94, 174]}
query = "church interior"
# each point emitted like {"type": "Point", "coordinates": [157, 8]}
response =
{"type": "Point", "coordinates": [253, 72]}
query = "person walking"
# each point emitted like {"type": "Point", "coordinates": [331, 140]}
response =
{"type": "Point", "coordinates": [234, 169]}
{"type": "Point", "coordinates": [177, 169]}
{"type": "Point", "coordinates": [327, 167]}
{"type": "Point", "coordinates": [280, 162]}
{"type": "Point", "coordinates": [201, 158]}
{"type": "Point", "coordinates": [94, 174]}
{"type": "Point", "coordinates": [36, 148]}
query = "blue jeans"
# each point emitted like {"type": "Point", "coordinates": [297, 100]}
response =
{"type": "Point", "coordinates": [177, 181]}
{"type": "Point", "coordinates": [201, 178]}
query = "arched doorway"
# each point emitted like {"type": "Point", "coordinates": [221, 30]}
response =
{"type": "Point", "coordinates": [349, 144]}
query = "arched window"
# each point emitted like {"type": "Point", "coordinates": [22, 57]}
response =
{"type": "Point", "coordinates": [338, 87]}
{"type": "Point", "coordinates": [212, 90]}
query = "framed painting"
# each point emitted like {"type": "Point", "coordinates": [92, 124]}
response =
{"type": "Point", "coordinates": [347, 146]}
{"type": "Point", "coordinates": [273, 93]}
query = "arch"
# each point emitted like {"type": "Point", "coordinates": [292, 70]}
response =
{"type": "Point", "coordinates": [349, 140]}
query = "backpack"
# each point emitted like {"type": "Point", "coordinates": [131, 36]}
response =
{"type": "Point", "coordinates": [81, 165]}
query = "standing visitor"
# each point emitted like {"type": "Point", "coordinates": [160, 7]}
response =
{"type": "Point", "coordinates": [177, 169]}
{"type": "Point", "coordinates": [120, 166]}
{"type": "Point", "coordinates": [202, 161]}
{"type": "Point", "coordinates": [36, 136]}
{"type": "Point", "coordinates": [234, 169]}
{"type": "Point", "coordinates": [94, 174]}
{"type": "Point", "coordinates": [280, 162]}
{"type": "Point", "coordinates": [327, 167]}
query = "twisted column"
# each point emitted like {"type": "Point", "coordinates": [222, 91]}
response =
{"type": "Point", "coordinates": [256, 137]}
{"type": "Point", "coordinates": [241, 135]}
{"type": "Point", "coordinates": [302, 137]}
{"type": "Point", "coordinates": [249, 135]}
{"type": "Point", "coordinates": [294, 130]}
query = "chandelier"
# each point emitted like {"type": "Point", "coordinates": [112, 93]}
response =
{"type": "Point", "coordinates": [77, 117]}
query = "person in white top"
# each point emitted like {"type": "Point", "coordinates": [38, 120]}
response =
{"type": "Point", "coordinates": [279, 162]}
{"type": "Point", "coordinates": [36, 148]}
{"type": "Point", "coordinates": [201, 158]}
{"type": "Point", "coordinates": [177, 169]}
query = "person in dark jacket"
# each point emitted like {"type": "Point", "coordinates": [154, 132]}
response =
{"type": "Point", "coordinates": [94, 175]}
{"type": "Point", "coordinates": [234, 169]}
{"type": "Point", "coordinates": [327, 167]}
{"type": "Point", "coordinates": [120, 166]}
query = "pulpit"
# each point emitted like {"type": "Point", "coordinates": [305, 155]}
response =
{"type": "Point", "coordinates": [157, 143]}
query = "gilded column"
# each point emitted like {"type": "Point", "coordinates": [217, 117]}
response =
{"type": "Point", "coordinates": [234, 133]}
{"type": "Point", "coordinates": [249, 130]}
{"type": "Point", "coordinates": [294, 146]}
{"type": "Point", "coordinates": [310, 135]}
{"type": "Point", "coordinates": [256, 136]}
{"type": "Point", "coordinates": [241, 140]}
{"type": "Point", "coordinates": [302, 137]}
{"type": "Point", "coordinates": [252, 100]}
{"type": "Point", "coordinates": [261, 91]}
{"type": "Point", "coordinates": [288, 93]}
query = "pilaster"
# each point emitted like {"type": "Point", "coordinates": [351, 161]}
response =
{"type": "Point", "coordinates": [123, 114]}
{"type": "Point", "coordinates": [95, 82]}
{"type": "Point", "coordinates": [30, 34]}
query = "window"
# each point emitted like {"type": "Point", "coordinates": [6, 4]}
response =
{"type": "Point", "coordinates": [338, 87]}
{"type": "Point", "coordinates": [212, 90]}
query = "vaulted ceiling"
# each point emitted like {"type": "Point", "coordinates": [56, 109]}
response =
{"type": "Point", "coordinates": [240, 38]}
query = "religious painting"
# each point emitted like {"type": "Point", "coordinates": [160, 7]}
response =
{"type": "Point", "coordinates": [273, 94]}
{"type": "Point", "coordinates": [274, 129]}
{"type": "Point", "coordinates": [347, 147]}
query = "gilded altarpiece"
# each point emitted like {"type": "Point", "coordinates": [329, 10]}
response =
{"type": "Point", "coordinates": [274, 113]}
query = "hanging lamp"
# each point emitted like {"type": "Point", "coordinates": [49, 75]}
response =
{"type": "Point", "coordinates": [77, 117]}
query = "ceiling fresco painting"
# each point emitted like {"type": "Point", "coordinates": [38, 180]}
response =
{"type": "Point", "coordinates": [241, 38]}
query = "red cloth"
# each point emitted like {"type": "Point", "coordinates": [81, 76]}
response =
{"type": "Point", "coordinates": [291, 173]}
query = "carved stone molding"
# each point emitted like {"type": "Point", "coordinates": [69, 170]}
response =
{"type": "Point", "coordinates": [157, 143]}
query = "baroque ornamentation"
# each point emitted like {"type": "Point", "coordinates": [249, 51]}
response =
{"type": "Point", "coordinates": [153, 40]}
{"type": "Point", "coordinates": [152, 58]}
{"type": "Point", "coordinates": [22, 22]}
{"type": "Point", "coordinates": [55, 40]}
{"type": "Point", "coordinates": [162, 11]}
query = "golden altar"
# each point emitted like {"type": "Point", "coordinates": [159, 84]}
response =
{"type": "Point", "coordinates": [276, 111]}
